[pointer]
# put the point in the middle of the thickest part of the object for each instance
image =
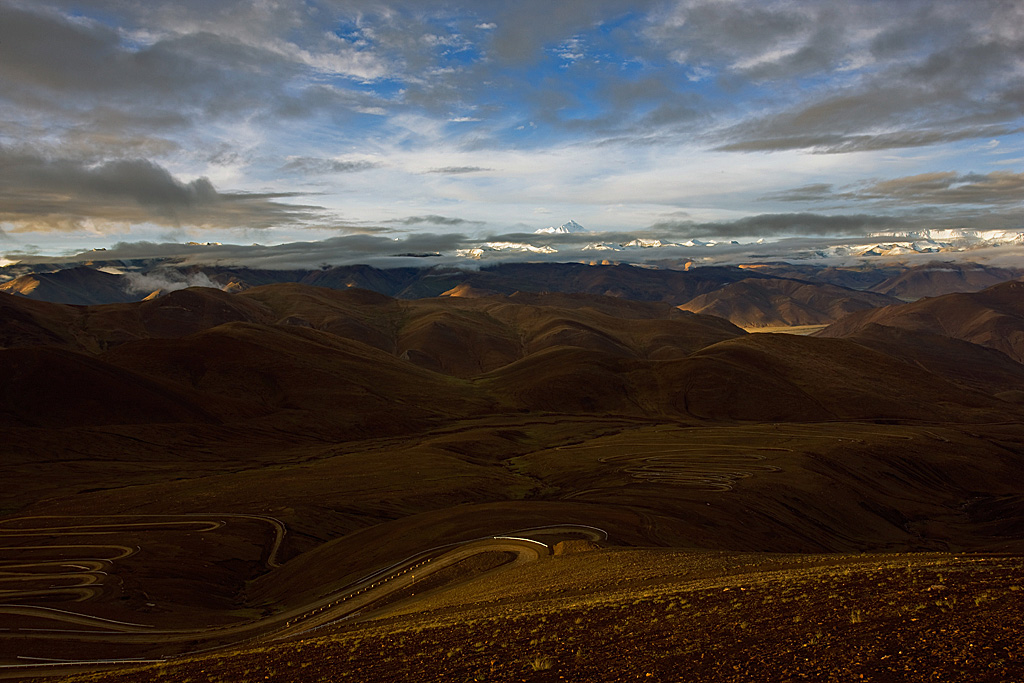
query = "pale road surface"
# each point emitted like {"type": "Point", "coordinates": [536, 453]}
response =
{"type": "Point", "coordinates": [337, 605]}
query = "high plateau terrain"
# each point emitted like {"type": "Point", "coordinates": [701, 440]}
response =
{"type": "Point", "coordinates": [293, 482]}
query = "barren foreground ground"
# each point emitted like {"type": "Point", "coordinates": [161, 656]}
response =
{"type": "Point", "coordinates": [664, 615]}
{"type": "Point", "coordinates": [542, 584]}
{"type": "Point", "coordinates": [293, 484]}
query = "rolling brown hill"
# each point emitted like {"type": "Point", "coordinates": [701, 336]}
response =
{"type": "Point", "coordinates": [92, 329]}
{"type": "Point", "coordinates": [84, 284]}
{"type": "Point", "coordinates": [859, 277]}
{"type": "Point", "coordinates": [341, 384]}
{"type": "Point", "coordinates": [779, 302]}
{"type": "Point", "coordinates": [771, 377]}
{"type": "Point", "coordinates": [938, 278]}
{"type": "Point", "coordinates": [622, 281]}
{"type": "Point", "coordinates": [25, 322]}
{"type": "Point", "coordinates": [249, 471]}
{"type": "Point", "coordinates": [51, 388]}
{"type": "Point", "coordinates": [468, 337]}
{"type": "Point", "coordinates": [978, 367]}
{"type": "Point", "coordinates": [993, 317]}
{"type": "Point", "coordinates": [351, 351]}
{"type": "Point", "coordinates": [81, 285]}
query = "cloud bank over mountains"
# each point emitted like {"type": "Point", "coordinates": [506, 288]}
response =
{"type": "Point", "coordinates": [295, 122]}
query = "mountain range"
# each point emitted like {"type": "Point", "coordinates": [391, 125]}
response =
{"type": "Point", "coordinates": [763, 295]}
{"type": "Point", "coordinates": [229, 478]}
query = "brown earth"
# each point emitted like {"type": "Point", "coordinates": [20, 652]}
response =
{"type": "Point", "coordinates": [993, 317]}
{"type": "Point", "coordinates": [773, 302]}
{"type": "Point", "coordinates": [81, 285]}
{"type": "Point", "coordinates": [207, 470]}
{"type": "Point", "coordinates": [938, 278]}
{"type": "Point", "coordinates": [619, 615]}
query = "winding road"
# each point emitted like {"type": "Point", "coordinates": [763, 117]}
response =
{"type": "Point", "coordinates": [710, 466]}
{"type": "Point", "coordinates": [340, 604]}
{"type": "Point", "coordinates": [76, 573]}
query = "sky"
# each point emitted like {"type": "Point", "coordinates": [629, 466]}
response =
{"type": "Point", "coordinates": [357, 128]}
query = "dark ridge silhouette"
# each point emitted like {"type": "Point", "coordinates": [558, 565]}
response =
{"type": "Point", "coordinates": [993, 317]}
{"type": "Point", "coordinates": [81, 285]}
{"type": "Point", "coordinates": [938, 278]}
{"type": "Point", "coordinates": [53, 388]}
{"type": "Point", "coordinates": [777, 302]}
{"type": "Point", "coordinates": [218, 475]}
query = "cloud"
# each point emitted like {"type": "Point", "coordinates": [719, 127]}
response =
{"type": "Point", "coordinates": [622, 111]}
{"type": "Point", "coordinates": [459, 170]}
{"type": "Point", "coordinates": [936, 188]}
{"type": "Point", "coordinates": [434, 220]}
{"type": "Point", "coordinates": [841, 77]}
{"type": "Point", "coordinates": [348, 249]}
{"type": "Point", "coordinates": [318, 166]}
{"type": "Point", "coordinates": [38, 192]}
{"type": "Point", "coordinates": [998, 187]}
{"type": "Point", "coordinates": [842, 144]}
{"type": "Point", "coordinates": [165, 280]}
{"type": "Point", "coordinates": [807, 193]}
{"type": "Point", "coordinates": [781, 224]}
{"type": "Point", "coordinates": [520, 38]}
{"type": "Point", "coordinates": [188, 68]}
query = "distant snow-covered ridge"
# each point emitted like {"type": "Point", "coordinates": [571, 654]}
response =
{"type": "Point", "coordinates": [929, 242]}
{"type": "Point", "coordinates": [889, 244]}
{"type": "Point", "coordinates": [960, 236]}
{"type": "Point", "coordinates": [564, 229]}
{"type": "Point", "coordinates": [643, 243]}
{"type": "Point", "coordinates": [486, 248]}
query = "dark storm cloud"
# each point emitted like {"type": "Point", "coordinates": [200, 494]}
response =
{"type": "Point", "coordinates": [939, 188]}
{"type": "Point", "coordinates": [92, 77]}
{"type": "Point", "coordinates": [999, 187]}
{"type": "Point", "coordinates": [708, 33]}
{"type": "Point", "coordinates": [807, 193]}
{"type": "Point", "coordinates": [906, 74]}
{"type": "Point", "coordinates": [44, 51]}
{"type": "Point", "coordinates": [776, 224]}
{"type": "Point", "coordinates": [525, 28]}
{"type": "Point", "coordinates": [60, 194]}
{"type": "Point", "coordinates": [272, 90]}
{"type": "Point", "coordinates": [317, 166]}
{"type": "Point", "coordinates": [348, 249]}
{"type": "Point", "coordinates": [434, 220]}
{"type": "Point", "coordinates": [941, 75]}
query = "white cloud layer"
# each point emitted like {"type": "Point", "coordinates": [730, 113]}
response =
{"type": "Point", "coordinates": [287, 122]}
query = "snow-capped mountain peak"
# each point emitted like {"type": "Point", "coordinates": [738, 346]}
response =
{"type": "Point", "coordinates": [563, 229]}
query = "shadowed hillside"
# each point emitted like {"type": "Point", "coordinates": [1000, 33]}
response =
{"type": "Point", "coordinates": [993, 317]}
{"type": "Point", "coordinates": [777, 302]}
{"type": "Point", "coordinates": [936, 279]}
{"type": "Point", "coordinates": [81, 285]}
{"type": "Point", "coordinates": [206, 470]}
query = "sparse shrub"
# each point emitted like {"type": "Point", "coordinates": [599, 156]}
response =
{"type": "Point", "coordinates": [542, 663]}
